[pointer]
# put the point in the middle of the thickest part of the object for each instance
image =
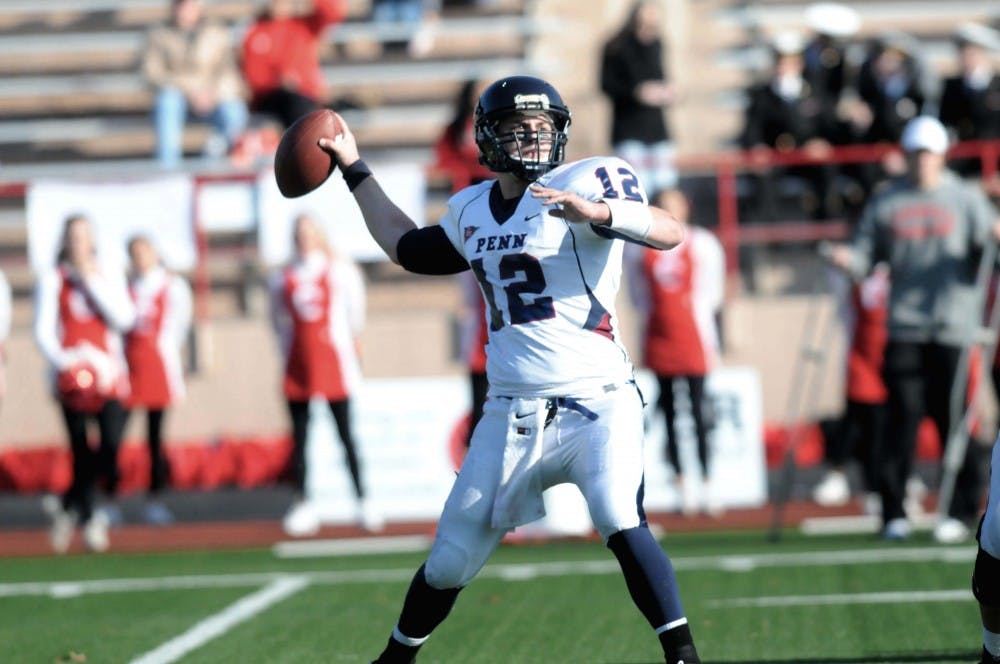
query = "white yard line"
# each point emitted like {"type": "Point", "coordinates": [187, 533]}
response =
{"type": "Point", "coordinates": [351, 547]}
{"type": "Point", "coordinates": [221, 622]}
{"type": "Point", "coordinates": [522, 571]}
{"type": "Point", "coordinates": [898, 597]}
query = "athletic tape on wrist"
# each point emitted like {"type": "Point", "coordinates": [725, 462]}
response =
{"type": "Point", "coordinates": [630, 218]}
{"type": "Point", "coordinates": [356, 173]}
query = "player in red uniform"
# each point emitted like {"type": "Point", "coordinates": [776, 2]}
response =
{"type": "Point", "coordinates": [680, 294]}
{"type": "Point", "coordinates": [81, 311]}
{"type": "Point", "coordinates": [317, 305]}
{"type": "Point", "coordinates": [152, 349]}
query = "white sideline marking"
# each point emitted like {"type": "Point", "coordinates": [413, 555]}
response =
{"type": "Point", "coordinates": [221, 622]}
{"type": "Point", "coordinates": [851, 598]}
{"type": "Point", "coordinates": [513, 572]}
{"type": "Point", "coordinates": [349, 547]}
{"type": "Point", "coordinates": [856, 525]}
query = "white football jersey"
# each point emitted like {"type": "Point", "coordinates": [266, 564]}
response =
{"type": "Point", "coordinates": [549, 284]}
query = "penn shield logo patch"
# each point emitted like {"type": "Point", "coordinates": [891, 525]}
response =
{"type": "Point", "coordinates": [532, 101]}
{"type": "Point", "coordinates": [470, 231]}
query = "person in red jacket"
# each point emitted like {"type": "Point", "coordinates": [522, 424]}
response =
{"type": "Point", "coordinates": [859, 430]}
{"type": "Point", "coordinates": [152, 349]}
{"type": "Point", "coordinates": [680, 292]}
{"type": "Point", "coordinates": [317, 309]}
{"type": "Point", "coordinates": [456, 153]}
{"type": "Point", "coordinates": [280, 58]}
{"type": "Point", "coordinates": [81, 311]}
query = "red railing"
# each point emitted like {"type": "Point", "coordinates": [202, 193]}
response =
{"type": "Point", "coordinates": [727, 166]}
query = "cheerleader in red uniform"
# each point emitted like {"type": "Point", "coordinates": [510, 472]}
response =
{"type": "Point", "coordinates": [318, 311]}
{"type": "Point", "coordinates": [81, 312]}
{"type": "Point", "coordinates": [680, 293]}
{"type": "Point", "coordinates": [153, 350]}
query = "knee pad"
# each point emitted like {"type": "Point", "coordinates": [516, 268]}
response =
{"type": "Point", "coordinates": [447, 566]}
{"type": "Point", "coordinates": [986, 579]}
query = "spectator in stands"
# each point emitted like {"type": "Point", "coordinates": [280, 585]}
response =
{"type": "Point", "coordinates": [456, 153]}
{"type": "Point", "coordinates": [680, 293]}
{"type": "Point", "coordinates": [896, 84]}
{"type": "Point", "coordinates": [317, 309]}
{"type": "Point", "coordinates": [81, 312]}
{"type": "Point", "coordinates": [474, 336]}
{"type": "Point", "coordinates": [417, 18]}
{"type": "Point", "coordinates": [857, 434]}
{"type": "Point", "coordinates": [787, 113]}
{"type": "Point", "coordinates": [932, 229]}
{"type": "Point", "coordinates": [970, 101]}
{"type": "Point", "coordinates": [162, 303]}
{"type": "Point", "coordinates": [827, 68]}
{"type": "Point", "coordinates": [634, 78]}
{"type": "Point", "coordinates": [5, 317]}
{"type": "Point", "coordinates": [190, 63]}
{"type": "Point", "coordinates": [281, 58]}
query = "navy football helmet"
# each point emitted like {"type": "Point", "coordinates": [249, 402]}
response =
{"type": "Point", "coordinates": [502, 152]}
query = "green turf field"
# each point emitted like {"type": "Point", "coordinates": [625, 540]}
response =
{"type": "Point", "coordinates": [843, 599]}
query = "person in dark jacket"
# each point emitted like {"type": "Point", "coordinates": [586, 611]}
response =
{"type": "Point", "coordinates": [634, 78]}
{"type": "Point", "coordinates": [970, 100]}
{"type": "Point", "coordinates": [786, 113]}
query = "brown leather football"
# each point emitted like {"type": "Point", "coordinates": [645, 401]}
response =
{"type": "Point", "coordinates": [300, 165]}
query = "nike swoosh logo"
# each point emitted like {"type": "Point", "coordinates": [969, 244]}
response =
{"type": "Point", "coordinates": [520, 415]}
{"type": "Point", "coordinates": [529, 218]}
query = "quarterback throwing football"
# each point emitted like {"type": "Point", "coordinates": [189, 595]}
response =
{"type": "Point", "coordinates": [544, 240]}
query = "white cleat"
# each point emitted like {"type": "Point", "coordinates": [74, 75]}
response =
{"type": "Point", "coordinates": [63, 524]}
{"type": "Point", "coordinates": [833, 490]}
{"type": "Point", "coordinates": [951, 531]}
{"type": "Point", "coordinates": [369, 518]}
{"type": "Point", "coordinates": [95, 532]}
{"type": "Point", "coordinates": [302, 520]}
{"type": "Point", "coordinates": [897, 530]}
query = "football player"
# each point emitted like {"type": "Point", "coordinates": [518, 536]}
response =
{"type": "Point", "coordinates": [544, 240]}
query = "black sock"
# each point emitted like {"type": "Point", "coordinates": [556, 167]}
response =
{"type": "Point", "coordinates": [651, 582]}
{"type": "Point", "coordinates": [648, 575]}
{"type": "Point", "coordinates": [678, 645]}
{"type": "Point", "coordinates": [397, 653]}
{"type": "Point", "coordinates": [424, 608]}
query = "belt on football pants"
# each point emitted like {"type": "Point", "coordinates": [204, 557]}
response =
{"type": "Point", "coordinates": [554, 404]}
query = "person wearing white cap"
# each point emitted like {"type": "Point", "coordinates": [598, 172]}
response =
{"type": "Point", "coordinates": [970, 101]}
{"type": "Point", "coordinates": [932, 229]}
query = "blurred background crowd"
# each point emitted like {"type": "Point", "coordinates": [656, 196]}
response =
{"type": "Point", "coordinates": [770, 125]}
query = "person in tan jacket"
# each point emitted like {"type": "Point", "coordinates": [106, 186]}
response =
{"type": "Point", "coordinates": [191, 63]}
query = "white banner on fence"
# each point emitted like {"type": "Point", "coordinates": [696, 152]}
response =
{"type": "Point", "coordinates": [159, 208]}
{"type": "Point", "coordinates": [334, 207]}
{"type": "Point", "coordinates": [406, 429]}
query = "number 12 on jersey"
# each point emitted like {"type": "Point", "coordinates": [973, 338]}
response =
{"type": "Point", "coordinates": [520, 305]}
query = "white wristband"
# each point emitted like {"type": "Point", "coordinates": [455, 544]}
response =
{"type": "Point", "coordinates": [630, 218]}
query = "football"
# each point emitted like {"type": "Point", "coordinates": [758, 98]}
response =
{"type": "Point", "coordinates": [300, 165]}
